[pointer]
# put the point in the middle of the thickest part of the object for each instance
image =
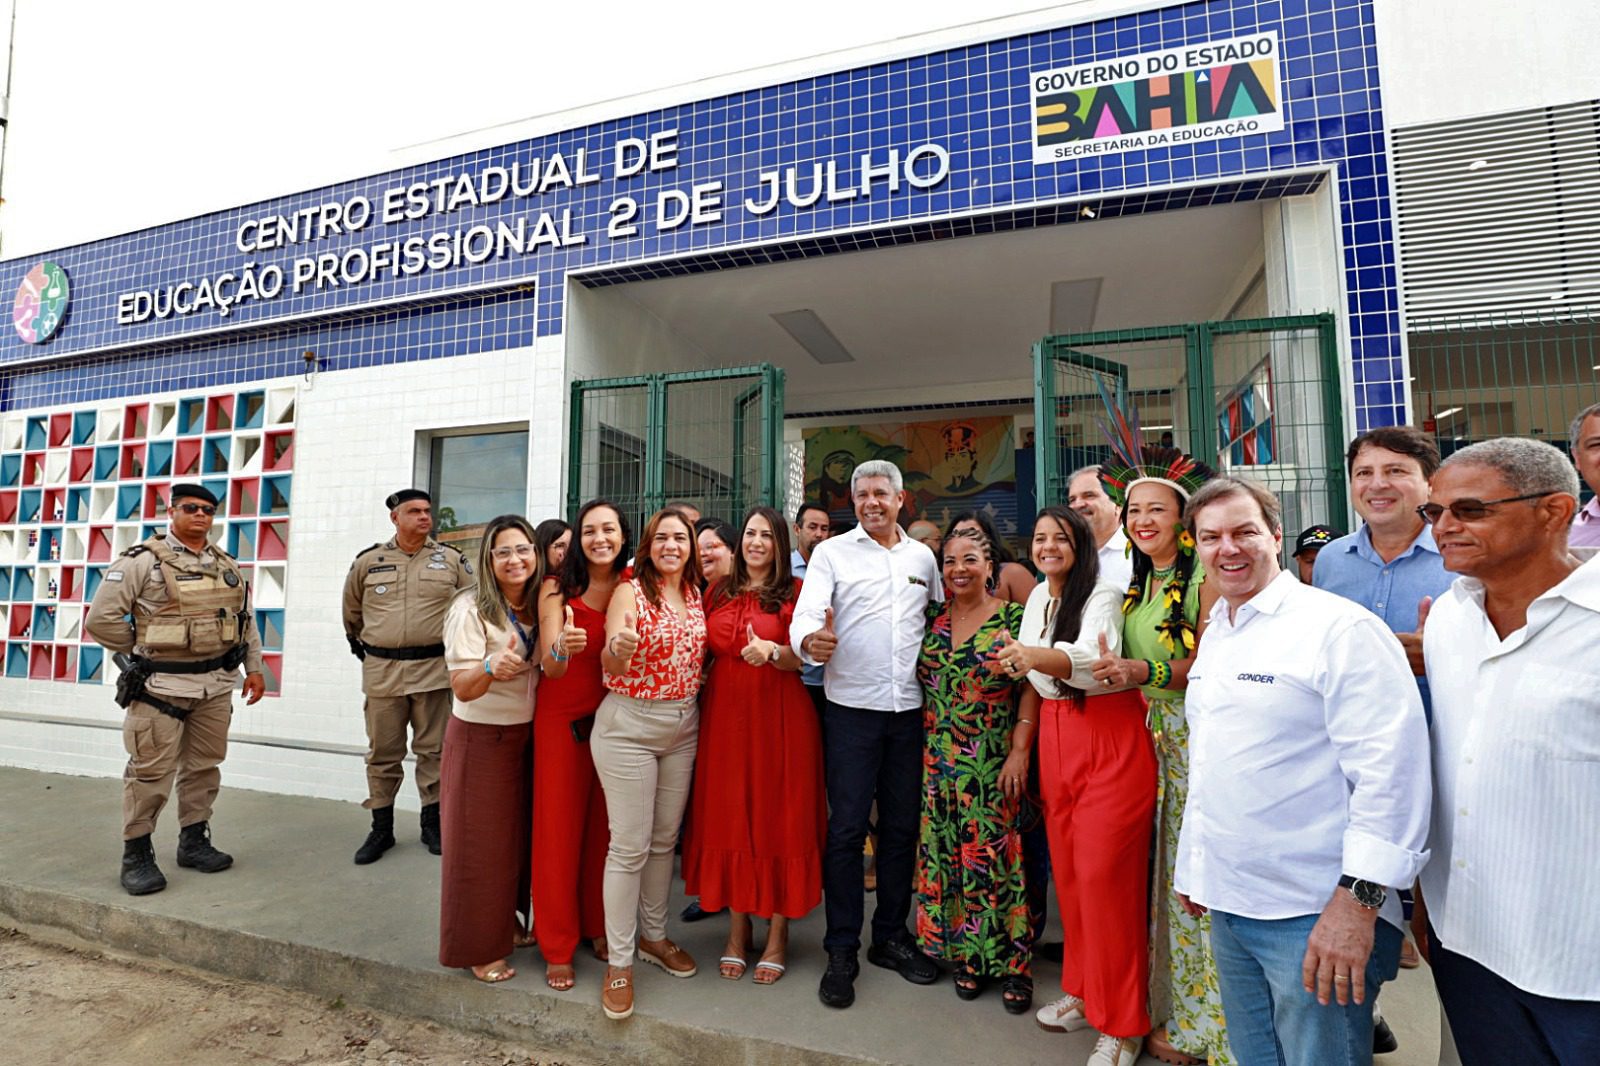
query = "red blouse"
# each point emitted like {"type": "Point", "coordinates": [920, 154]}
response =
{"type": "Point", "coordinates": [672, 649]}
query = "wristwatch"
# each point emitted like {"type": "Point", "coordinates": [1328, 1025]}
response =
{"type": "Point", "coordinates": [1367, 893]}
{"type": "Point", "coordinates": [773, 656]}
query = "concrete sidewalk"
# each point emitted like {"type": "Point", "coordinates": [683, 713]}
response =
{"type": "Point", "coordinates": [295, 911]}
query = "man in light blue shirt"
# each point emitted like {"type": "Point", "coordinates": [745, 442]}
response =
{"type": "Point", "coordinates": [811, 527]}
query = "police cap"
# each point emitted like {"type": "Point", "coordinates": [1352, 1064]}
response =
{"type": "Point", "coordinates": [406, 496]}
{"type": "Point", "coordinates": [188, 490]}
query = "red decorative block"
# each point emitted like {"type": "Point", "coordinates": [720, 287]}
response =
{"type": "Point", "coordinates": [8, 506]}
{"type": "Point", "coordinates": [60, 428]}
{"type": "Point", "coordinates": [81, 466]}
{"type": "Point", "coordinates": [186, 458]}
{"type": "Point", "coordinates": [219, 414]}
{"type": "Point", "coordinates": [132, 461]}
{"type": "Point", "coordinates": [42, 662]}
{"type": "Point", "coordinates": [100, 544]}
{"type": "Point", "coordinates": [33, 468]}
{"type": "Point", "coordinates": [156, 499]}
{"type": "Point", "coordinates": [272, 543]}
{"type": "Point", "coordinates": [136, 421]}
{"type": "Point", "coordinates": [279, 451]}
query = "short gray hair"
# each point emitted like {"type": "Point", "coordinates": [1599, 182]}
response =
{"type": "Point", "coordinates": [1219, 488]}
{"type": "Point", "coordinates": [1528, 466]}
{"type": "Point", "coordinates": [1577, 426]}
{"type": "Point", "coordinates": [1092, 469]}
{"type": "Point", "coordinates": [877, 468]}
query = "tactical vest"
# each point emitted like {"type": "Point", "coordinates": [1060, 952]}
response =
{"type": "Point", "coordinates": [204, 609]}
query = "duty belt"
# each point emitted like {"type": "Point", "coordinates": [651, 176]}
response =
{"type": "Point", "coordinates": [228, 660]}
{"type": "Point", "coordinates": [426, 651]}
{"type": "Point", "coordinates": [172, 710]}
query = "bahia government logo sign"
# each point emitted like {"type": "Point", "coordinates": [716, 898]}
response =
{"type": "Point", "coordinates": [1200, 92]}
{"type": "Point", "coordinates": [41, 303]}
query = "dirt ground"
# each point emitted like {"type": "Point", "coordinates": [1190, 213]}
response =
{"type": "Point", "coordinates": [60, 1005]}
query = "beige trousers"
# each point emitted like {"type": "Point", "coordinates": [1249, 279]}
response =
{"type": "Point", "coordinates": [644, 753]}
{"type": "Point", "coordinates": [161, 748]}
{"type": "Point", "coordinates": [388, 717]}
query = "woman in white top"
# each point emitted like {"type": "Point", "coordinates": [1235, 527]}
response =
{"type": "Point", "coordinates": [1097, 779]}
{"type": "Point", "coordinates": [490, 634]}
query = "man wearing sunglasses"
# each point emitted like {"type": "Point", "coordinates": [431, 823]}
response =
{"type": "Point", "coordinates": [1507, 908]}
{"type": "Point", "coordinates": [176, 612]}
{"type": "Point", "coordinates": [395, 599]}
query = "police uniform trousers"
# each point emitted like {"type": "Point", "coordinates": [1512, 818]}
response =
{"type": "Point", "coordinates": [161, 748]}
{"type": "Point", "coordinates": [426, 713]}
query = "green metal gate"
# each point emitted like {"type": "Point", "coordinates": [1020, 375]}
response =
{"type": "Point", "coordinates": [1253, 397]}
{"type": "Point", "coordinates": [712, 438]}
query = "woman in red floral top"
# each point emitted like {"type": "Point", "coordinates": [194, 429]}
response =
{"type": "Point", "coordinates": [644, 740]}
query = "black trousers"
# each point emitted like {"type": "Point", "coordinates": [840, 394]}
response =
{"type": "Point", "coordinates": [870, 755]}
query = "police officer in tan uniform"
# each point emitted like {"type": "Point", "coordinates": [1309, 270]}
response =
{"type": "Point", "coordinates": [394, 605]}
{"type": "Point", "coordinates": [191, 628]}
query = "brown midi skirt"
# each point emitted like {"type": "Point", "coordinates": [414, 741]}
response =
{"type": "Point", "coordinates": [485, 807]}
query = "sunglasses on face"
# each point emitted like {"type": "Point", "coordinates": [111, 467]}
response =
{"type": "Point", "coordinates": [1470, 510]}
{"type": "Point", "coordinates": [521, 551]}
{"type": "Point", "coordinates": [197, 508]}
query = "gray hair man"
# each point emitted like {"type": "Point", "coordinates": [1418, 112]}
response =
{"type": "Point", "coordinates": [1584, 438]}
{"type": "Point", "coordinates": [861, 611]}
{"type": "Point", "coordinates": [1506, 908]}
{"type": "Point", "coordinates": [1308, 792]}
{"type": "Point", "coordinates": [1087, 496]}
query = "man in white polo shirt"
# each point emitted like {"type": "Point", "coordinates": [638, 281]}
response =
{"type": "Point", "coordinates": [1087, 496]}
{"type": "Point", "coordinates": [1308, 793]}
{"type": "Point", "coordinates": [862, 611]}
{"type": "Point", "coordinates": [1511, 653]}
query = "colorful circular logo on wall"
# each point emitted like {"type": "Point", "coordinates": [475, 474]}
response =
{"type": "Point", "coordinates": [41, 303]}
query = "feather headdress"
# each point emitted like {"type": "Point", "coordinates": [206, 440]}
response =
{"type": "Point", "coordinates": [1133, 461]}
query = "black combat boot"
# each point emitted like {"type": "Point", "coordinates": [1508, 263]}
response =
{"type": "Point", "coordinates": [430, 827]}
{"type": "Point", "coordinates": [195, 850]}
{"type": "Point", "coordinates": [140, 874]}
{"type": "Point", "coordinates": [380, 840]}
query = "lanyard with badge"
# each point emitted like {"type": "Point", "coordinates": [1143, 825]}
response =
{"type": "Point", "coordinates": [516, 623]}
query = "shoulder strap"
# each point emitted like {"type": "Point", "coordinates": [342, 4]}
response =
{"type": "Point", "coordinates": [364, 551]}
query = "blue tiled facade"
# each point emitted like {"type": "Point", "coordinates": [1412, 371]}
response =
{"type": "Point", "coordinates": [974, 101]}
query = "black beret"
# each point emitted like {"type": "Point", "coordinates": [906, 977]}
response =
{"type": "Point", "coordinates": [406, 496]}
{"type": "Point", "coordinates": [189, 490]}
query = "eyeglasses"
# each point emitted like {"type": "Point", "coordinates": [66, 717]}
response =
{"type": "Point", "coordinates": [521, 551]}
{"type": "Point", "coordinates": [197, 508]}
{"type": "Point", "coordinates": [1471, 510]}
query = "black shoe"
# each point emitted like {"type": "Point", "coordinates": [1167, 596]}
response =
{"type": "Point", "coordinates": [140, 874]}
{"type": "Point", "coordinates": [694, 913]}
{"type": "Point", "coordinates": [1050, 952]}
{"type": "Point", "coordinates": [195, 850]}
{"type": "Point", "coordinates": [381, 839]}
{"type": "Point", "coordinates": [905, 958]}
{"type": "Point", "coordinates": [1383, 1038]}
{"type": "Point", "coordinates": [430, 828]}
{"type": "Point", "coordinates": [838, 988]}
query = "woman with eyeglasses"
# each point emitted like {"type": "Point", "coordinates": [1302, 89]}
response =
{"type": "Point", "coordinates": [570, 831]}
{"type": "Point", "coordinates": [758, 819]}
{"type": "Point", "coordinates": [644, 740]}
{"type": "Point", "coordinates": [1011, 580]}
{"type": "Point", "coordinates": [553, 538]}
{"type": "Point", "coordinates": [490, 639]}
{"type": "Point", "coordinates": [717, 541]}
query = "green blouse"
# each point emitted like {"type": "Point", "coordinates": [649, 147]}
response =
{"type": "Point", "coordinates": [1140, 639]}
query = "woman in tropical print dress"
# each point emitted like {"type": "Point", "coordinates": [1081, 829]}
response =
{"type": "Point", "coordinates": [971, 904]}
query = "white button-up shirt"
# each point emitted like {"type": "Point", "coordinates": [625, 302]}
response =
{"type": "Point", "coordinates": [1516, 770]}
{"type": "Point", "coordinates": [1102, 615]}
{"type": "Point", "coordinates": [1115, 565]}
{"type": "Point", "coordinates": [1307, 757]}
{"type": "Point", "coordinates": [878, 596]}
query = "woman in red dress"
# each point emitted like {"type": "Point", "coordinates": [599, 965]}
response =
{"type": "Point", "coordinates": [570, 832]}
{"type": "Point", "coordinates": [759, 819]}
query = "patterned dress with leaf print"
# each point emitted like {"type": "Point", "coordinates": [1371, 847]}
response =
{"type": "Point", "coordinates": [1183, 973]}
{"type": "Point", "coordinates": [971, 903]}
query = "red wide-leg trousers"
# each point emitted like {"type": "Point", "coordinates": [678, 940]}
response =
{"type": "Point", "coordinates": [1097, 775]}
{"type": "Point", "coordinates": [570, 836]}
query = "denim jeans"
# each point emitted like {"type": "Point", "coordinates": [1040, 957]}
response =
{"type": "Point", "coordinates": [1272, 1019]}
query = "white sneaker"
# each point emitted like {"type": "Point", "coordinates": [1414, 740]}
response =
{"type": "Point", "coordinates": [1065, 1015]}
{"type": "Point", "coordinates": [1116, 1051]}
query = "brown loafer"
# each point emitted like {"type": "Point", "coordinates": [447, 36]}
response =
{"type": "Point", "coordinates": [616, 998]}
{"type": "Point", "coordinates": [671, 958]}
{"type": "Point", "coordinates": [1160, 1048]}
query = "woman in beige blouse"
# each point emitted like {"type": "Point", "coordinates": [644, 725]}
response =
{"type": "Point", "coordinates": [490, 634]}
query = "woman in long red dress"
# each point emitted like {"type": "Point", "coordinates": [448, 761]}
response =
{"type": "Point", "coordinates": [759, 819]}
{"type": "Point", "coordinates": [570, 830]}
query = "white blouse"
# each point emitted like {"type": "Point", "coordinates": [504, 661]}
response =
{"type": "Point", "coordinates": [1102, 613]}
{"type": "Point", "coordinates": [467, 640]}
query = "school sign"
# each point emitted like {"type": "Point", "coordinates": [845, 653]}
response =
{"type": "Point", "coordinates": [1185, 95]}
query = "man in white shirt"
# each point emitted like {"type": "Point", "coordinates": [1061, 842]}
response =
{"type": "Point", "coordinates": [1585, 441]}
{"type": "Point", "coordinates": [861, 611]}
{"type": "Point", "coordinates": [1308, 793]}
{"type": "Point", "coordinates": [1088, 497]}
{"type": "Point", "coordinates": [1508, 900]}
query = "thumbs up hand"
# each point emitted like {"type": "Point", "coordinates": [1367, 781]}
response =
{"type": "Point", "coordinates": [1009, 657]}
{"type": "Point", "coordinates": [1108, 669]}
{"type": "Point", "coordinates": [820, 645]}
{"type": "Point", "coordinates": [626, 640]}
{"type": "Point", "coordinates": [573, 637]}
{"type": "Point", "coordinates": [1412, 642]}
{"type": "Point", "coordinates": [757, 652]}
{"type": "Point", "coordinates": [507, 664]}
